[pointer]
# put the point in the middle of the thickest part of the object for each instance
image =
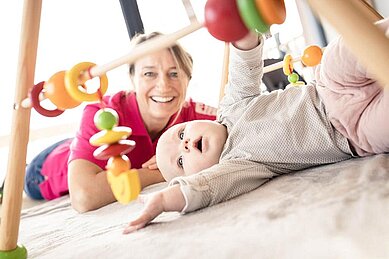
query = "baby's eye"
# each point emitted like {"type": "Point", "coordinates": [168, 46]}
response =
{"type": "Point", "coordinates": [181, 134]}
{"type": "Point", "coordinates": [180, 162]}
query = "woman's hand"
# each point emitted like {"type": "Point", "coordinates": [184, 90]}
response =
{"type": "Point", "coordinates": [151, 164]}
{"type": "Point", "coordinates": [168, 199]}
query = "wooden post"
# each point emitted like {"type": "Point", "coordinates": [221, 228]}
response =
{"type": "Point", "coordinates": [224, 78]}
{"type": "Point", "coordinates": [369, 11]}
{"type": "Point", "coordinates": [365, 40]}
{"type": "Point", "coordinates": [14, 181]}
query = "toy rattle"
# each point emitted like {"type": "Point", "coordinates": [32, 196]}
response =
{"type": "Point", "coordinates": [113, 145]}
{"type": "Point", "coordinates": [311, 57]}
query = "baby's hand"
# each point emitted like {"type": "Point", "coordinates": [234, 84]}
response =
{"type": "Point", "coordinates": [150, 164]}
{"type": "Point", "coordinates": [153, 207]}
{"type": "Point", "coordinates": [168, 199]}
{"type": "Point", "coordinates": [250, 41]}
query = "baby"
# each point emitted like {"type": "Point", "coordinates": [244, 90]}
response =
{"type": "Point", "coordinates": [340, 115]}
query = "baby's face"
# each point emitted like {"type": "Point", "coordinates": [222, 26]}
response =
{"type": "Point", "coordinates": [190, 147]}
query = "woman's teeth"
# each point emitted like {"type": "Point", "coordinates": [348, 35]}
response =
{"type": "Point", "coordinates": [160, 99]}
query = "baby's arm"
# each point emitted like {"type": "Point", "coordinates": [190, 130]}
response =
{"type": "Point", "coordinates": [250, 41]}
{"type": "Point", "coordinates": [244, 79]}
{"type": "Point", "coordinates": [168, 199]}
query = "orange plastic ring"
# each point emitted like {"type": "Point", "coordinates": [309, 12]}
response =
{"type": "Point", "coordinates": [272, 11]}
{"type": "Point", "coordinates": [73, 81]}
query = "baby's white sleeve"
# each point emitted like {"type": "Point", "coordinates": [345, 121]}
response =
{"type": "Point", "coordinates": [244, 82]}
{"type": "Point", "coordinates": [221, 182]}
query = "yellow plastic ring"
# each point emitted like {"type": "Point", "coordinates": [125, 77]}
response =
{"type": "Point", "coordinates": [73, 81]}
{"type": "Point", "coordinates": [298, 83]}
{"type": "Point", "coordinates": [287, 66]}
{"type": "Point", "coordinates": [125, 186]}
{"type": "Point", "coordinates": [110, 136]}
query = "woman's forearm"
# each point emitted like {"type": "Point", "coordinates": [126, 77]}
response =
{"type": "Point", "coordinates": [148, 177]}
{"type": "Point", "coordinates": [89, 188]}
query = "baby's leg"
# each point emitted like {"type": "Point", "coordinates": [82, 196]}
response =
{"type": "Point", "coordinates": [374, 123]}
{"type": "Point", "coordinates": [357, 105]}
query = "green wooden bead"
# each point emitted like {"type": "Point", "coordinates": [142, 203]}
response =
{"type": "Point", "coordinates": [293, 78]}
{"type": "Point", "coordinates": [251, 17]}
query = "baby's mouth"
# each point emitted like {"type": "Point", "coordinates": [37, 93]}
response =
{"type": "Point", "coordinates": [199, 145]}
{"type": "Point", "coordinates": [161, 99]}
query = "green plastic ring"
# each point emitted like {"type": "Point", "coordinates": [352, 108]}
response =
{"type": "Point", "coordinates": [20, 252]}
{"type": "Point", "coordinates": [251, 17]}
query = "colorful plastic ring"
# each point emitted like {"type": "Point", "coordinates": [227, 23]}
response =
{"type": "Point", "coordinates": [110, 136]}
{"type": "Point", "coordinates": [287, 66]}
{"type": "Point", "coordinates": [272, 11]}
{"type": "Point", "coordinates": [251, 17]}
{"type": "Point", "coordinates": [36, 104]}
{"type": "Point", "coordinates": [120, 148]}
{"type": "Point", "coordinates": [73, 81]}
{"type": "Point", "coordinates": [125, 186]}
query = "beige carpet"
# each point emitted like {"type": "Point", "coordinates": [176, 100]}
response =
{"type": "Point", "coordinates": [27, 203]}
{"type": "Point", "coordinates": [333, 211]}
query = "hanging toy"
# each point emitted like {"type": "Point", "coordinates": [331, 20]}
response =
{"type": "Point", "coordinates": [113, 145]}
{"type": "Point", "coordinates": [231, 20]}
{"type": "Point", "coordinates": [311, 57]}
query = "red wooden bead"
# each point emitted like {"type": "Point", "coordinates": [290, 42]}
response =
{"type": "Point", "coordinates": [223, 21]}
{"type": "Point", "coordinates": [120, 148]}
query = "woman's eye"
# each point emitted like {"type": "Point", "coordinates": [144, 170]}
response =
{"type": "Point", "coordinates": [174, 74]}
{"type": "Point", "coordinates": [180, 162]}
{"type": "Point", "coordinates": [149, 74]}
{"type": "Point", "coordinates": [181, 135]}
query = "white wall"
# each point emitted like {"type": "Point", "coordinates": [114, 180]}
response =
{"type": "Point", "coordinates": [382, 7]}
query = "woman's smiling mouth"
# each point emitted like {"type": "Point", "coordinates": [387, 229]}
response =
{"type": "Point", "coordinates": [161, 99]}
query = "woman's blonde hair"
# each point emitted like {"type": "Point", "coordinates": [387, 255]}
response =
{"type": "Point", "coordinates": [183, 59]}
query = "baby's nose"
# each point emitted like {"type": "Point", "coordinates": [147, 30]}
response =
{"type": "Point", "coordinates": [185, 145]}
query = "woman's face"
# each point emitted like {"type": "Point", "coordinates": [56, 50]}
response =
{"type": "Point", "coordinates": [160, 86]}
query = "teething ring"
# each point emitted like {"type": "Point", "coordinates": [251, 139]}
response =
{"type": "Point", "coordinates": [272, 11]}
{"type": "Point", "coordinates": [287, 67]}
{"type": "Point", "coordinates": [34, 97]}
{"type": "Point", "coordinates": [251, 17]}
{"type": "Point", "coordinates": [73, 81]}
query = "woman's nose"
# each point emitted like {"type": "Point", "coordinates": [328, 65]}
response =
{"type": "Point", "coordinates": [162, 84]}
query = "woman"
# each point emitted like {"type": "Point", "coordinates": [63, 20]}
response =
{"type": "Point", "coordinates": [158, 101]}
